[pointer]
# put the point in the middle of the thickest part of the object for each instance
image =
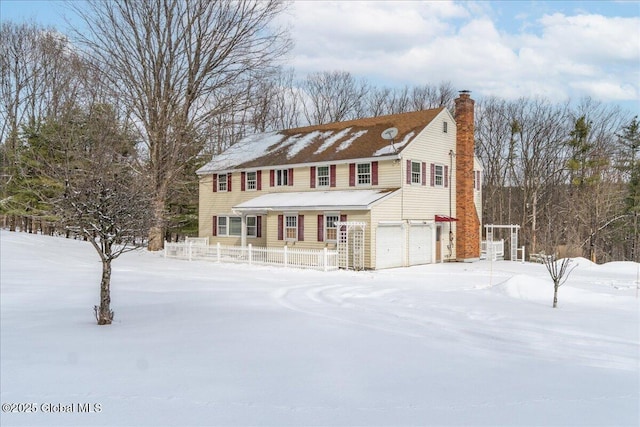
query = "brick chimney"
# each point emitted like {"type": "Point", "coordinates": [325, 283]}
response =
{"type": "Point", "coordinates": [468, 225]}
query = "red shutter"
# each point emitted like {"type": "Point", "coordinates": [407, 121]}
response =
{"type": "Point", "coordinates": [424, 173]}
{"type": "Point", "coordinates": [312, 177]}
{"type": "Point", "coordinates": [259, 226]}
{"type": "Point", "coordinates": [229, 176]}
{"type": "Point", "coordinates": [214, 231]}
{"type": "Point", "coordinates": [332, 175]}
{"type": "Point", "coordinates": [243, 176]}
{"type": "Point", "coordinates": [433, 175]}
{"type": "Point", "coordinates": [301, 228]}
{"type": "Point", "coordinates": [320, 228]}
{"type": "Point", "coordinates": [272, 178]}
{"type": "Point", "coordinates": [290, 177]}
{"type": "Point", "coordinates": [280, 227]}
{"type": "Point", "coordinates": [352, 174]}
{"type": "Point", "coordinates": [343, 218]}
{"type": "Point", "coordinates": [446, 176]}
{"type": "Point", "coordinates": [374, 173]}
{"type": "Point", "coordinates": [259, 179]}
{"type": "Point", "coordinates": [408, 171]}
{"type": "Point", "coordinates": [215, 182]}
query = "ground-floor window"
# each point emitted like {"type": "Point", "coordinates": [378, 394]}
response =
{"type": "Point", "coordinates": [252, 226]}
{"type": "Point", "coordinates": [331, 229]}
{"type": "Point", "coordinates": [229, 226]}
{"type": "Point", "coordinates": [291, 227]}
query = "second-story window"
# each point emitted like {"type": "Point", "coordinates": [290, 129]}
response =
{"type": "Point", "coordinates": [416, 173]}
{"type": "Point", "coordinates": [282, 177]}
{"type": "Point", "coordinates": [323, 176]}
{"type": "Point", "coordinates": [439, 175]}
{"type": "Point", "coordinates": [251, 180]}
{"type": "Point", "coordinates": [363, 174]}
{"type": "Point", "coordinates": [445, 125]}
{"type": "Point", "coordinates": [222, 182]}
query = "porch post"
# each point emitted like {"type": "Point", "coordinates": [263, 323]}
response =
{"type": "Point", "coordinates": [243, 230]}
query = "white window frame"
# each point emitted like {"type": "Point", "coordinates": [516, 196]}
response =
{"type": "Point", "coordinates": [320, 179]}
{"type": "Point", "coordinates": [252, 229]}
{"type": "Point", "coordinates": [224, 230]}
{"type": "Point", "coordinates": [437, 175]}
{"type": "Point", "coordinates": [445, 127]}
{"type": "Point", "coordinates": [328, 215]}
{"type": "Point", "coordinates": [416, 177]}
{"type": "Point", "coordinates": [281, 177]}
{"type": "Point", "coordinates": [222, 227]}
{"type": "Point", "coordinates": [251, 184]}
{"type": "Point", "coordinates": [363, 178]}
{"type": "Point", "coordinates": [290, 225]}
{"type": "Point", "coordinates": [223, 180]}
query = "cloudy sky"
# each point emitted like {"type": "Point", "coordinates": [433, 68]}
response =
{"type": "Point", "coordinates": [556, 49]}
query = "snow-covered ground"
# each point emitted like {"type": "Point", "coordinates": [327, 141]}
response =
{"type": "Point", "coordinates": [197, 343]}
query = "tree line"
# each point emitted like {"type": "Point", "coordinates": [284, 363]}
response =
{"type": "Point", "coordinates": [177, 82]}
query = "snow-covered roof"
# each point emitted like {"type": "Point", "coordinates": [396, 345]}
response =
{"type": "Point", "coordinates": [332, 142]}
{"type": "Point", "coordinates": [316, 200]}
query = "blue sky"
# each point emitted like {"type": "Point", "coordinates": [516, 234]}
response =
{"type": "Point", "coordinates": [556, 49]}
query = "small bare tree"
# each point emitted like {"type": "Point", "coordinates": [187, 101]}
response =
{"type": "Point", "coordinates": [559, 272]}
{"type": "Point", "coordinates": [103, 195]}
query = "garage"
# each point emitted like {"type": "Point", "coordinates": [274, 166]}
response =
{"type": "Point", "coordinates": [390, 245]}
{"type": "Point", "coordinates": [420, 243]}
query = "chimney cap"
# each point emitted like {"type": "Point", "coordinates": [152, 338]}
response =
{"type": "Point", "coordinates": [464, 92]}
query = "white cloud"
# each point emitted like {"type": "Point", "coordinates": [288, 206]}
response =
{"type": "Point", "coordinates": [552, 55]}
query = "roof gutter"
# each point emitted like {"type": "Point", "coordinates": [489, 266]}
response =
{"type": "Point", "coordinates": [396, 156]}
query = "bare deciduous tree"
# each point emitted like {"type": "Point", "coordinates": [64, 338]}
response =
{"type": "Point", "coordinates": [559, 272]}
{"type": "Point", "coordinates": [333, 96]}
{"type": "Point", "coordinates": [104, 197]}
{"type": "Point", "coordinates": [178, 64]}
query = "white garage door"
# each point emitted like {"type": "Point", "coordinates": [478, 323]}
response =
{"type": "Point", "coordinates": [390, 246]}
{"type": "Point", "coordinates": [420, 244]}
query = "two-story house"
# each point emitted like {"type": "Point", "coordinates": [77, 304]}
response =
{"type": "Point", "coordinates": [417, 194]}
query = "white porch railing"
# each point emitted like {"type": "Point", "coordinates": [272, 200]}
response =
{"type": "Point", "coordinates": [323, 259]}
{"type": "Point", "coordinates": [492, 251]}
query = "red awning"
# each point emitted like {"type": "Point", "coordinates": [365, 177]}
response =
{"type": "Point", "coordinates": [445, 218]}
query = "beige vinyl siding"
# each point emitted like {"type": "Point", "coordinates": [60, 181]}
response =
{"type": "Point", "coordinates": [221, 203]}
{"type": "Point", "coordinates": [431, 146]}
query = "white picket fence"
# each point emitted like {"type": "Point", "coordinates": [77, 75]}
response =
{"type": "Point", "coordinates": [324, 259]}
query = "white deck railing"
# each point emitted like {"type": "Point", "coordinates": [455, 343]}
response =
{"type": "Point", "coordinates": [323, 259]}
{"type": "Point", "coordinates": [492, 251]}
